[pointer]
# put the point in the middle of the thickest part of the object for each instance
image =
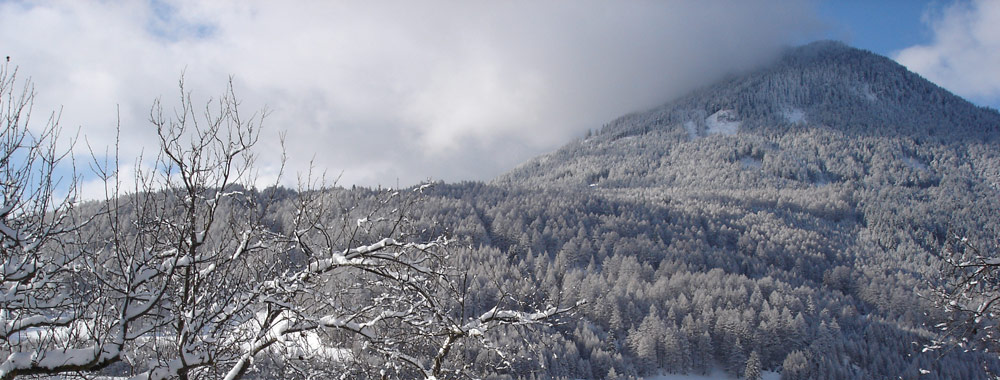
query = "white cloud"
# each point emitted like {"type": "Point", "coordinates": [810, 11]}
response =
{"type": "Point", "coordinates": [965, 52]}
{"type": "Point", "coordinates": [389, 90]}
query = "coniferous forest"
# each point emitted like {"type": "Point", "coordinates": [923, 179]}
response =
{"type": "Point", "coordinates": [802, 218]}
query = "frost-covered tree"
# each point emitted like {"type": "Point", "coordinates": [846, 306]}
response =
{"type": "Point", "coordinates": [752, 369]}
{"type": "Point", "coordinates": [969, 296]}
{"type": "Point", "coordinates": [49, 312]}
{"type": "Point", "coordinates": [187, 249]}
{"type": "Point", "coordinates": [796, 366]}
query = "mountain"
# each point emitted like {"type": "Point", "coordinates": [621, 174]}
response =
{"type": "Point", "coordinates": [824, 90]}
{"type": "Point", "coordinates": [800, 212]}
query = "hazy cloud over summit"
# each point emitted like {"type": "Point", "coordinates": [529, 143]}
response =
{"type": "Point", "coordinates": [389, 90]}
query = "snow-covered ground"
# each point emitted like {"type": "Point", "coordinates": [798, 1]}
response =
{"type": "Point", "coordinates": [794, 115]}
{"type": "Point", "coordinates": [716, 374]}
{"type": "Point", "coordinates": [866, 92]}
{"type": "Point", "coordinates": [692, 130]}
{"type": "Point", "coordinates": [915, 163]}
{"type": "Point", "coordinates": [309, 344]}
{"type": "Point", "coordinates": [724, 122]}
{"type": "Point", "coordinates": [751, 163]}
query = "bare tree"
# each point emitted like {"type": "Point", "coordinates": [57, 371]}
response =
{"type": "Point", "coordinates": [49, 304]}
{"type": "Point", "coordinates": [969, 297]}
{"type": "Point", "coordinates": [181, 254]}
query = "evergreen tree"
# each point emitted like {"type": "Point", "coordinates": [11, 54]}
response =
{"type": "Point", "coordinates": [612, 374]}
{"type": "Point", "coordinates": [795, 367]}
{"type": "Point", "coordinates": [752, 370]}
{"type": "Point", "coordinates": [737, 359]}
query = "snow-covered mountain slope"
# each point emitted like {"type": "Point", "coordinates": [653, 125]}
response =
{"type": "Point", "coordinates": [831, 182]}
{"type": "Point", "coordinates": [779, 115]}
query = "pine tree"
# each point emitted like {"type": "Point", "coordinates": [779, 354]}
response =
{"type": "Point", "coordinates": [612, 374]}
{"type": "Point", "coordinates": [752, 370]}
{"type": "Point", "coordinates": [737, 358]}
{"type": "Point", "coordinates": [795, 366]}
{"type": "Point", "coordinates": [704, 352]}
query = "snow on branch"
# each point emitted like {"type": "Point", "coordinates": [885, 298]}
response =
{"type": "Point", "coordinates": [969, 297]}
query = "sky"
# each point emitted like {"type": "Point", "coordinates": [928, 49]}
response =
{"type": "Point", "coordinates": [398, 92]}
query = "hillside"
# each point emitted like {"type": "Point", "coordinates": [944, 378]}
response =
{"type": "Point", "coordinates": [795, 211]}
{"type": "Point", "coordinates": [822, 91]}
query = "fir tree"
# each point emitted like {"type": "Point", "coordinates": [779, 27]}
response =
{"type": "Point", "coordinates": [752, 370]}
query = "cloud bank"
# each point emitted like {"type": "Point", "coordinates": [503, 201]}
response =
{"type": "Point", "coordinates": [964, 55]}
{"type": "Point", "coordinates": [389, 91]}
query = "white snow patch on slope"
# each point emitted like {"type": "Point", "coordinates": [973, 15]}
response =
{"type": "Point", "coordinates": [692, 129]}
{"type": "Point", "coordinates": [915, 163]}
{"type": "Point", "coordinates": [794, 115]}
{"type": "Point", "coordinates": [724, 122]}
{"type": "Point", "coordinates": [866, 92]}
{"type": "Point", "coordinates": [751, 163]}
{"type": "Point", "coordinates": [716, 374]}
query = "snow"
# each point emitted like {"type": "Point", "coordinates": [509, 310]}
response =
{"type": "Point", "coordinates": [56, 358]}
{"type": "Point", "coordinates": [208, 270]}
{"type": "Point", "coordinates": [374, 247]}
{"type": "Point", "coordinates": [332, 321]}
{"type": "Point", "coordinates": [866, 92]}
{"type": "Point", "coordinates": [309, 344]}
{"type": "Point", "coordinates": [724, 122]}
{"type": "Point", "coordinates": [915, 163]}
{"type": "Point", "coordinates": [692, 129]}
{"type": "Point", "coordinates": [794, 115]}
{"type": "Point", "coordinates": [144, 274]}
{"type": "Point", "coordinates": [716, 374]}
{"type": "Point", "coordinates": [751, 163]}
{"type": "Point", "coordinates": [13, 234]}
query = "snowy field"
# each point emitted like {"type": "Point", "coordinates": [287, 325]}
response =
{"type": "Point", "coordinates": [724, 122]}
{"type": "Point", "coordinates": [794, 115]}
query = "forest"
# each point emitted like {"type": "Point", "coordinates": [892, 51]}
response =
{"type": "Point", "coordinates": [811, 217]}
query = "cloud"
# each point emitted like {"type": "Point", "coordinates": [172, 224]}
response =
{"type": "Point", "coordinates": [965, 52]}
{"type": "Point", "coordinates": [389, 90]}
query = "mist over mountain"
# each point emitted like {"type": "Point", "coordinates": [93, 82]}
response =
{"type": "Point", "coordinates": [824, 88]}
{"type": "Point", "coordinates": [793, 213]}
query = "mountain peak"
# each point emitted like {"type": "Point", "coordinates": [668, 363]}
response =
{"type": "Point", "coordinates": [824, 87]}
{"type": "Point", "coordinates": [819, 50]}
{"type": "Point", "coordinates": [830, 84]}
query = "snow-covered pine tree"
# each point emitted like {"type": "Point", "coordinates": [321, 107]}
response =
{"type": "Point", "coordinates": [752, 369]}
